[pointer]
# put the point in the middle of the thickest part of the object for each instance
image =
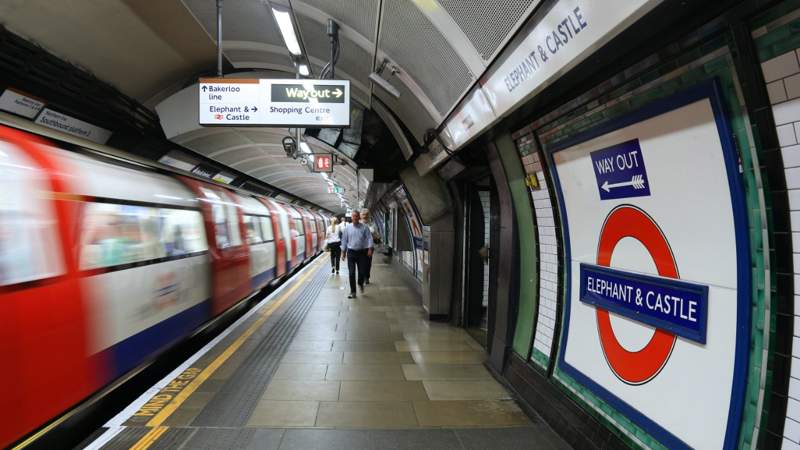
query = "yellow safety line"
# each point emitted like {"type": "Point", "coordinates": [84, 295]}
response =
{"type": "Point", "coordinates": [149, 438]}
{"type": "Point", "coordinates": [176, 402]}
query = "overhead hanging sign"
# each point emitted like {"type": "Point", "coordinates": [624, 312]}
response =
{"type": "Point", "coordinates": [20, 104]}
{"type": "Point", "coordinates": [274, 102]}
{"type": "Point", "coordinates": [73, 126]}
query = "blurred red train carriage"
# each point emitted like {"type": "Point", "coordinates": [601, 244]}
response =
{"type": "Point", "coordinates": [104, 264]}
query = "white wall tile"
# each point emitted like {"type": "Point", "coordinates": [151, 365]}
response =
{"type": "Point", "coordinates": [795, 220]}
{"type": "Point", "coordinates": [793, 409]}
{"type": "Point", "coordinates": [789, 445]}
{"type": "Point", "coordinates": [791, 158]}
{"type": "Point", "coordinates": [792, 84]}
{"type": "Point", "coordinates": [791, 430]}
{"type": "Point", "coordinates": [795, 367]}
{"type": "Point", "coordinates": [794, 198]}
{"type": "Point", "coordinates": [780, 67]}
{"type": "Point", "coordinates": [796, 262]}
{"type": "Point", "coordinates": [786, 136]}
{"type": "Point", "coordinates": [793, 178]}
{"type": "Point", "coordinates": [776, 91]}
{"type": "Point", "coordinates": [786, 112]}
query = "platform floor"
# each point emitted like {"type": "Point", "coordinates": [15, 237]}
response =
{"type": "Point", "coordinates": [313, 369]}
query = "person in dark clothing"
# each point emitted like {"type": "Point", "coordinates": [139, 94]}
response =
{"type": "Point", "coordinates": [333, 239]}
{"type": "Point", "coordinates": [356, 248]}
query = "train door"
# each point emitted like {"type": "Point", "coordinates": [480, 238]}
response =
{"type": "Point", "coordinates": [321, 226]}
{"type": "Point", "coordinates": [281, 239]}
{"type": "Point", "coordinates": [312, 237]}
{"type": "Point", "coordinates": [298, 234]}
{"type": "Point", "coordinates": [44, 334]}
{"type": "Point", "coordinates": [230, 256]}
{"type": "Point", "coordinates": [260, 239]}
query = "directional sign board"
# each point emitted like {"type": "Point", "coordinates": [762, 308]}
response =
{"type": "Point", "coordinates": [274, 102]}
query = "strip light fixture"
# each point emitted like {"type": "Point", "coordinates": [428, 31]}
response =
{"type": "Point", "coordinates": [286, 27]}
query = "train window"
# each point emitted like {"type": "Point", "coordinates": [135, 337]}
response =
{"type": "Point", "coordinates": [298, 224]}
{"type": "Point", "coordinates": [182, 231]}
{"type": "Point", "coordinates": [266, 229]}
{"type": "Point", "coordinates": [29, 245]}
{"type": "Point", "coordinates": [253, 226]}
{"type": "Point", "coordinates": [115, 234]}
{"type": "Point", "coordinates": [225, 218]}
{"type": "Point", "coordinates": [233, 225]}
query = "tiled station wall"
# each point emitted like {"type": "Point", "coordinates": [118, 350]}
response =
{"type": "Point", "coordinates": [702, 56]}
{"type": "Point", "coordinates": [782, 76]}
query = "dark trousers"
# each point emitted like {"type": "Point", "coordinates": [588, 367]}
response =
{"type": "Point", "coordinates": [357, 259]}
{"type": "Point", "coordinates": [336, 254]}
{"type": "Point", "coordinates": [369, 267]}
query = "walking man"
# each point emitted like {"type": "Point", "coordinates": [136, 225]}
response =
{"type": "Point", "coordinates": [333, 240]}
{"type": "Point", "coordinates": [356, 248]}
{"type": "Point", "coordinates": [366, 218]}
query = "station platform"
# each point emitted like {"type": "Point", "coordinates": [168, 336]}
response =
{"type": "Point", "coordinates": [308, 368]}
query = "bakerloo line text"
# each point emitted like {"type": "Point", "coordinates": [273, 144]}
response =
{"type": "Point", "coordinates": [666, 304]}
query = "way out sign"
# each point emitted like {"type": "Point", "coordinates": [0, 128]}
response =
{"type": "Point", "coordinates": [274, 102]}
{"type": "Point", "coordinates": [656, 318]}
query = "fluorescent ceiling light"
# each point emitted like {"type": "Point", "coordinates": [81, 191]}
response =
{"type": "Point", "coordinates": [286, 26]}
{"type": "Point", "coordinates": [303, 69]}
{"type": "Point", "coordinates": [305, 148]}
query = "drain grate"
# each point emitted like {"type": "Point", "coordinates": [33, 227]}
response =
{"type": "Point", "coordinates": [235, 401]}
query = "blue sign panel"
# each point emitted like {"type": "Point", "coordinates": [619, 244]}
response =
{"type": "Point", "coordinates": [672, 305]}
{"type": "Point", "coordinates": [619, 171]}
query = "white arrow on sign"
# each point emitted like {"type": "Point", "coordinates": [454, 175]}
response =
{"type": "Point", "coordinates": [637, 181]}
{"type": "Point", "coordinates": [337, 92]}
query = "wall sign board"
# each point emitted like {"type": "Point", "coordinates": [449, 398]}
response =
{"type": "Point", "coordinates": [70, 125]}
{"type": "Point", "coordinates": [274, 102]}
{"type": "Point", "coordinates": [658, 287]}
{"type": "Point", "coordinates": [20, 104]}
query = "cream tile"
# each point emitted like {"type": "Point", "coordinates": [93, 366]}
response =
{"type": "Point", "coordinates": [366, 415]}
{"type": "Point", "coordinates": [377, 358]}
{"type": "Point", "coordinates": [304, 372]}
{"type": "Point", "coordinates": [312, 358]}
{"type": "Point", "coordinates": [361, 391]}
{"type": "Point", "coordinates": [502, 413]}
{"type": "Point", "coordinates": [780, 67]}
{"type": "Point", "coordinates": [465, 390]}
{"type": "Point", "coordinates": [301, 390]}
{"type": "Point", "coordinates": [469, 357]}
{"type": "Point", "coordinates": [311, 346]}
{"type": "Point", "coordinates": [445, 372]}
{"type": "Point", "coordinates": [279, 414]}
{"type": "Point", "coordinates": [353, 372]}
{"type": "Point", "coordinates": [434, 346]}
{"type": "Point", "coordinates": [776, 92]}
{"type": "Point", "coordinates": [364, 346]}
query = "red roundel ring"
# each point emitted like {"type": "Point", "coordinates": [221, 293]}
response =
{"type": "Point", "coordinates": [641, 366]}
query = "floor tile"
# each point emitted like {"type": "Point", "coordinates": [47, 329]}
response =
{"type": "Point", "coordinates": [449, 357]}
{"type": "Point", "coordinates": [470, 414]}
{"type": "Point", "coordinates": [371, 391]}
{"type": "Point", "coordinates": [539, 437]}
{"type": "Point", "coordinates": [434, 346]}
{"type": "Point", "coordinates": [366, 415]}
{"type": "Point", "coordinates": [366, 372]}
{"type": "Point", "coordinates": [302, 390]}
{"type": "Point", "coordinates": [370, 440]}
{"type": "Point", "coordinates": [312, 358]}
{"type": "Point", "coordinates": [305, 372]}
{"type": "Point", "coordinates": [445, 372]}
{"type": "Point", "coordinates": [277, 413]}
{"type": "Point", "coordinates": [465, 390]}
{"type": "Point", "coordinates": [311, 346]}
{"type": "Point", "coordinates": [364, 346]}
{"type": "Point", "coordinates": [266, 439]}
{"type": "Point", "coordinates": [377, 358]}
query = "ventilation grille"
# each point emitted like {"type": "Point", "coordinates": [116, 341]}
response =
{"type": "Point", "coordinates": [361, 15]}
{"type": "Point", "coordinates": [409, 39]}
{"type": "Point", "coordinates": [408, 109]}
{"type": "Point", "coordinates": [244, 56]}
{"type": "Point", "coordinates": [242, 20]}
{"type": "Point", "coordinates": [487, 23]}
{"type": "Point", "coordinates": [353, 60]}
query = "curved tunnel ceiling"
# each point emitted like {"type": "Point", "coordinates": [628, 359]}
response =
{"type": "Point", "coordinates": [151, 50]}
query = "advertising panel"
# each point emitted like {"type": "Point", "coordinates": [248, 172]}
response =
{"type": "Point", "coordinates": [656, 319]}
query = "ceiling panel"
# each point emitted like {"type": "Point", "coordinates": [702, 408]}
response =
{"type": "Point", "coordinates": [360, 15]}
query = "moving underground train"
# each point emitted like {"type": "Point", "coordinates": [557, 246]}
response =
{"type": "Point", "coordinates": [106, 263]}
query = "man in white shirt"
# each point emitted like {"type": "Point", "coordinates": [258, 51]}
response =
{"type": "Point", "coordinates": [357, 249]}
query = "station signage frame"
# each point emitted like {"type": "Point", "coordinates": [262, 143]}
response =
{"type": "Point", "coordinates": [273, 102]}
{"type": "Point", "coordinates": [322, 163]}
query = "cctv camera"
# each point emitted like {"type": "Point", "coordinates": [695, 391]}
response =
{"type": "Point", "coordinates": [290, 146]}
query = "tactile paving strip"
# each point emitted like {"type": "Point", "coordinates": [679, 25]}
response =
{"type": "Point", "coordinates": [235, 401]}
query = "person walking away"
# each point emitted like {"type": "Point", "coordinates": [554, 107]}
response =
{"type": "Point", "coordinates": [356, 248]}
{"type": "Point", "coordinates": [366, 218]}
{"type": "Point", "coordinates": [333, 239]}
